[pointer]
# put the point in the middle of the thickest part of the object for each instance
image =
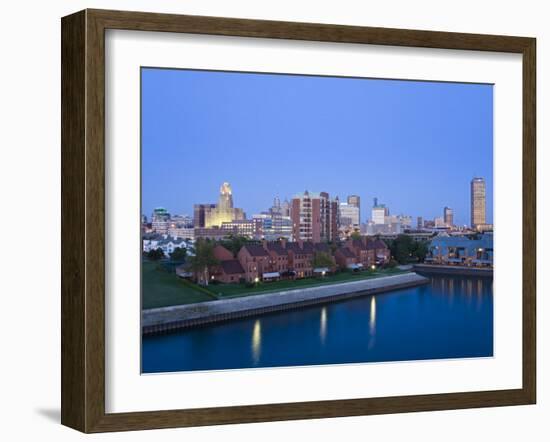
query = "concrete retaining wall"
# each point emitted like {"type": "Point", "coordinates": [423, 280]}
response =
{"type": "Point", "coordinates": [433, 269]}
{"type": "Point", "coordinates": [183, 316]}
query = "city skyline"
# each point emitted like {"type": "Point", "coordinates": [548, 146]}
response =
{"type": "Point", "coordinates": [188, 134]}
{"type": "Point", "coordinates": [448, 212]}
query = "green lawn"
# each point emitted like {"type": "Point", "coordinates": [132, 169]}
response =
{"type": "Point", "coordinates": [235, 290]}
{"type": "Point", "coordinates": [162, 289]}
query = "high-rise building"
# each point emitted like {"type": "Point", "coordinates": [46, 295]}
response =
{"type": "Point", "coordinates": [160, 220]}
{"type": "Point", "coordinates": [314, 217]}
{"type": "Point", "coordinates": [199, 214]}
{"type": "Point", "coordinates": [448, 216]}
{"type": "Point", "coordinates": [210, 215]}
{"type": "Point", "coordinates": [477, 201]}
{"type": "Point", "coordinates": [419, 223]}
{"type": "Point", "coordinates": [285, 208]}
{"type": "Point", "coordinates": [439, 222]}
{"type": "Point", "coordinates": [349, 215]}
{"type": "Point", "coordinates": [160, 214]}
{"type": "Point", "coordinates": [379, 212]}
{"type": "Point", "coordinates": [355, 201]}
{"type": "Point", "coordinates": [334, 219]}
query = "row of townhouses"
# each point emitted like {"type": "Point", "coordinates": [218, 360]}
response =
{"type": "Point", "coordinates": [281, 259]}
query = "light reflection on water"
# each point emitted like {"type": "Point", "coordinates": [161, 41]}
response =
{"type": "Point", "coordinates": [450, 318]}
{"type": "Point", "coordinates": [257, 341]}
{"type": "Point", "coordinates": [372, 319]}
{"type": "Point", "coordinates": [372, 323]}
{"type": "Point", "coordinates": [323, 329]}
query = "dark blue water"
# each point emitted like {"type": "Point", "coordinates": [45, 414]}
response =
{"type": "Point", "coordinates": [452, 317]}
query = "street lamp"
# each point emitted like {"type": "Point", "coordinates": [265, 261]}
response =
{"type": "Point", "coordinates": [373, 267]}
{"type": "Point", "coordinates": [256, 280]}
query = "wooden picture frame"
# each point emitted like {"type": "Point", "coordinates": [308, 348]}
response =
{"type": "Point", "coordinates": [83, 220]}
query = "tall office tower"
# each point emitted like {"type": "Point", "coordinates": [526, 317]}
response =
{"type": "Point", "coordinates": [276, 215]}
{"type": "Point", "coordinates": [349, 215]}
{"type": "Point", "coordinates": [334, 220]}
{"type": "Point", "coordinates": [313, 218]}
{"type": "Point", "coordinates": [210, 215]}
{"type": "Point", "coordinates": [160, 220]}
{"type": "Point", "coordinates": [225, 200]}
{"type": "Point", "coordinates": [379, 212]}
{"type": "Point", "coordinates": [199, 214]}
{"type": "Point", "coordinates": [477, 201]}
{"type": "Point", "coordinates": [419, 223]}
{"type": "Point", "coordinates": [355, 201]}
{"type": "Point", "coordinates": [448, 216]}
{"type": "Point", "coordinates": [285, 208]}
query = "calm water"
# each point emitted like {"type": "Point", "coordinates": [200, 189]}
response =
{"type": "Point", "coordinates": [450, 318]}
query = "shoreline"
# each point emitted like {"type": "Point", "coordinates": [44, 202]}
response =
{"type": "Point", "coordinates": [166, 319]}
{"type": "Point", "coordinates": [441, 269]}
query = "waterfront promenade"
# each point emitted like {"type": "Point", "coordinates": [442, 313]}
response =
{"type": "Point", "coordinates": [177, 317]}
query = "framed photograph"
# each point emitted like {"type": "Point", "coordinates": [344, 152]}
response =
{"type": "Point", "coordinates": [270, 220]}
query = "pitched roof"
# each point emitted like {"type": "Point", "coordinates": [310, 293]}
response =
{"type": "Point", "coordinates": [359, 244]}
{"type": "Point", "coordinates": [381, 244]}
{"type": "Point", "coordinates": [293, 247]}
{"type": "Point", "coordinates": [231, 267]}
{"type": "Point", "coordinates": [276, 247]}
{"type": "Point", "coordinates": [256, 250]}
{"type": "Point", "coordinates": [308, 248]}
{"type": "Point", "coordinates": [346, 252]}
{"type": "Point", "coordinates": [322, 247]}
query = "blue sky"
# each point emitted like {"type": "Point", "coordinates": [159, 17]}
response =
{"type": "Point", "coordinates": [414, 145]}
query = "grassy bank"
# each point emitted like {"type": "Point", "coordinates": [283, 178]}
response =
{"type": "Point", "coordinates": [162, 289]}
{"type": "Point", "coordinates": [234, 290]}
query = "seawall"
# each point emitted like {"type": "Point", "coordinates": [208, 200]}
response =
{"type": "Point", "coordinates": [167, 319]}
{"type": "Point", "coordinates": [435, 269]}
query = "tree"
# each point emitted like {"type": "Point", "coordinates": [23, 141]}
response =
{"type": "Point", "coordinates": [421, 250]}
{"type": "Point", "coordinates": [234, 243]}
{"type": "Point", "coordinates": [355, 235]}
{"type": "Point", "coordinates": [155, 254]}
{"type": "Point", "coordinates": [203, 260]}
{"type": "Point", "coordinates": [178, 254]}
{"type": "Point", "coordinates": [401, 248]}
{"type": "Point", "coordinates": [322, 259]}
{"type": "Point", "coordinates": [404, 249]}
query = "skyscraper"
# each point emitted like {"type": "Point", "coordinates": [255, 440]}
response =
{"type": "Point", "coordinates": [160, 220]}
{"type": "Point", "coordinates": [285, 208]}
{"type": "Point", "coordinates": [314, 217]}
{"type": "Point", "coordinates": [209, 215]}
{"type": "Point", "coordinates": [379, 212]}
{"type": "Point", "coordinates": [448, 216]}
{"type": "Point", "coordinates": [349, 215]}
{"type": "Point", "coordinates": [477, 201]}
{"type": "Point", "coordinates": [355, 201]}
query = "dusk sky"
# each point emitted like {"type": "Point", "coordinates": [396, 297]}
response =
{"type": "Point", "coordinates": [414, 145]}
